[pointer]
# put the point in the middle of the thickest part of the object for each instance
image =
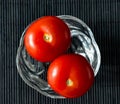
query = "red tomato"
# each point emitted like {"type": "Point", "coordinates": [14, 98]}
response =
{"type": "Point", "coordinates": [70, 75]}
{"type": "Point", "coordinates": [46, 38]}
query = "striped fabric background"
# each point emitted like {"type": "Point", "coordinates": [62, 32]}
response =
{"type": "Point", "coordinates": [103, 17]}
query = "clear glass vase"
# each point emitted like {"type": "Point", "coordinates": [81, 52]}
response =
{"type": "Point", "coordinates": [83, 43]}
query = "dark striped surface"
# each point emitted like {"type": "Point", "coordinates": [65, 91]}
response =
{"type": "Point", "coordinates": [103, 17]}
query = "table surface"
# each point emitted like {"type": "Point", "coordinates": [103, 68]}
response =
{"type": "Point", "coordinates": [102, 16]}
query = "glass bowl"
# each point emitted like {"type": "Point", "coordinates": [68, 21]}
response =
{"type": "Point", "coordinates": [83, 43]}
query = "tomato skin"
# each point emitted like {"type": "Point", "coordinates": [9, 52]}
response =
{"type": "Point", "coordinates": [46, 38]}
{"type": "Point", "coordinates": [70, 75]}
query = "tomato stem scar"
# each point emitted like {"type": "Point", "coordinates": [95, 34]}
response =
{"type": "Point", "coordinates": [69, 82]}
{"type": "Point", "coordinates": [47, 37]}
